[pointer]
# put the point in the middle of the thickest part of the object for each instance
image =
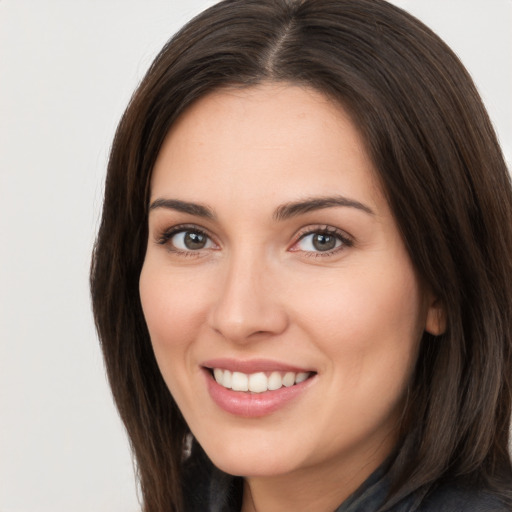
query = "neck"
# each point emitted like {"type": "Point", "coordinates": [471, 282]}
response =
{"type": "Point", "coordinates": [321, 489]}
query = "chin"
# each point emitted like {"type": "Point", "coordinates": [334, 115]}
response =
{"type": "Point", "coordinates": [252, 459]}
{"type": "Point", "coordinates": [253, 467]}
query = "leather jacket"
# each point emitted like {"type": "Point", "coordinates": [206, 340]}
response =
{"type": "Point", "coordinates": [207, 489]}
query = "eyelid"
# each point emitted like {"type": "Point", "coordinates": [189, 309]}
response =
{"type": "Point", "coordinates": [346, 239]}
{"type": "Point", "coordinates": [163, 236]}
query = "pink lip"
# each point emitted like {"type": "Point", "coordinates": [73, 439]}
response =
{"type": "Point", "coordinates": [253, 405]}
{"type": "Point", "coordinates": [252, 366]}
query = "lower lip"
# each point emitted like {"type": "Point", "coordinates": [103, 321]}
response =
{"type": "Point", "coordinates": [254, 405]}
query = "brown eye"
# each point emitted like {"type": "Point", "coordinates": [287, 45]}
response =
{"type": "Point", "coordinates": [189, 240]}
{"type": "Point", "coordinates": [323, 242]}
{"type": "Point", "coordinates": [319, 241]}
{"type": "Point", "coordinates": [193, 240]}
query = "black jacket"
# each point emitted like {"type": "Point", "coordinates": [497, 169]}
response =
{"type": "Point", "coordinates": [207, 489]}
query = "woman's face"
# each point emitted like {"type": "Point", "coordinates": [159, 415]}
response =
{"type": "Point", "coordinates": [274, 267]}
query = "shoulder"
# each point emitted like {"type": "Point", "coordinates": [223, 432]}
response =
{"type": "Point", "coordinates": [460, 497]}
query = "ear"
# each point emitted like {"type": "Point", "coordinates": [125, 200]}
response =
{"type": "Point", "coordinates": [435, 322]}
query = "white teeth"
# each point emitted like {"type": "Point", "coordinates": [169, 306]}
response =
{"type": "Point", "coordinates": [218, 374]}
{"type": "Point", "coordinates": [240, 382]}
{"type": "Point", "coordinates": [275, 381]}
{"type": "Point", "coordinates": [301, 377]}
{"type": "Point", "coordinates": [257, 382]}
{"type": "Point", "coordinates": [227, 379]}
{"type": "Point", "coordinates": [289, 379]}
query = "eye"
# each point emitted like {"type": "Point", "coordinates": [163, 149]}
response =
{"type": "Point", "coordinates": [318, 242]}
{"type": "Point", "coordinates": [190, 241]}
{"type": "Point", "coordinates": [180, 239]}
{"type": "Point", "coordinates": [326, 240]}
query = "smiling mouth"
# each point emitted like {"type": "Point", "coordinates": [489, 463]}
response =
{"type": "Point", "coordinates": [258, 382]}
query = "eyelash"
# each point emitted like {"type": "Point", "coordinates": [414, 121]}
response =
{"type": "Point", "coordinates": [341, 236]}
{"type": "Point", "coordinates": [165, 237]}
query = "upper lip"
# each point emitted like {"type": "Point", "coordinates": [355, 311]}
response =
{"type": "Point", "coordinates": [252, 365]}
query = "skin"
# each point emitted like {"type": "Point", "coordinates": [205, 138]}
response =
{"type": "Point", "coordinates": [259, 289]}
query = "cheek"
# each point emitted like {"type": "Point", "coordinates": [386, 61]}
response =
{"type": "Point", "coordinates": [172, 316]}
{"type": "Point", "coordinates": [368, 322]}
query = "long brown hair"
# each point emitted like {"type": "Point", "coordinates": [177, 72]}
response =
{"type": "Point", "coordinates": [445, 179]}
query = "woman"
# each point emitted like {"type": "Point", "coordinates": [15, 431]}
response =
{"type": "Point", "coordinates": [302, 281]}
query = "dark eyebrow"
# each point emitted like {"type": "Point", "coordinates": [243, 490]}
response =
{"type": "Point", "coordinates": [317, 203]}
{"type": "Point", "coordinates": [281, 213]}
{"type": "Point", "coordinates": [198, 210]}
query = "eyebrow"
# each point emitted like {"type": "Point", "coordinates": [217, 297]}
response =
{"type": "Point", "coordinates": [293, 209]}
{"type": "Point", "coordinates": [281, 213]}
{"type": "Point", "coordinates": [198, 210]}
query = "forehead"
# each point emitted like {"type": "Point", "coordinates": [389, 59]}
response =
{"type": "Point", "coordinates": [257, 139]}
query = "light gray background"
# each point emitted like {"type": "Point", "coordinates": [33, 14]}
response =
{"type": "Point", "coordinates": [67, 70]}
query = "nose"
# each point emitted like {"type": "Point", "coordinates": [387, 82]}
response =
{"type": "Point", "coordinates": [247, 305]}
